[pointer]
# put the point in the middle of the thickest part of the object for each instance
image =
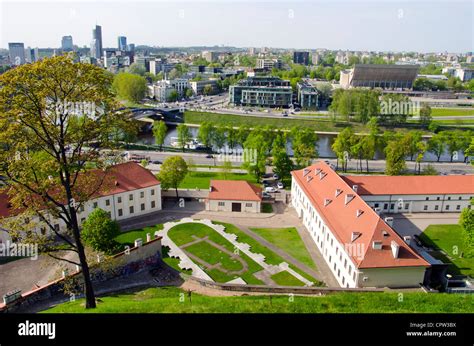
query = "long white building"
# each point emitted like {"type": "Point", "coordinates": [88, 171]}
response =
{"type": "Point", "coordinates": [360, 248]}
{"type": "Point", "coordinates": [129, 190]}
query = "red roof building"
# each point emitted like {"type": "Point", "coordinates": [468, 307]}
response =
{"type": "Point", "coordinates": [234, 196]}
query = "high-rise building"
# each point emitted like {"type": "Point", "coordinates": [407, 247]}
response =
{"type": "Point", "coordinates": [131, 47]}
{"type": "Point", "coordinates": [17, 53]}
{"type": "Point", "coordinates": [66, 43]}
{"type": "Point", "coordinates": [122, 43]}
{"type": "Point", "coordinates": [96, 44]}
{"type": "Point", "coordinates": [301, 58]}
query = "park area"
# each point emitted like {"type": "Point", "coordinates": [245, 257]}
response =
{"type": "Point", "coordinates": [448, 245]}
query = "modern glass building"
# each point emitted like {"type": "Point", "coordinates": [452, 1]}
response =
{"type": "Point", "coordinates": [122, 43]}
{"type": "Point", "coordinates": [261, 91]}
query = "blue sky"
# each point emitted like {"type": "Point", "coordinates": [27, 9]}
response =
{"type": "Point", "coordinates": [437, 25]}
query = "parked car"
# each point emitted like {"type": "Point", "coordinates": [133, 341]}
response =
{"type": "Point", "coordinates": [156, 162]}
{"type": "Point", "coordinates": [266, 183]}
{"type": "Point", "coordinates": [280, 185]}
{"type": "Point", "coordinates": [275, 176]}
{"type": "Point", "coordinates": [270, 189]}
{"type": "Point", "coordinates": [266, 195]}
{"type": "Point", "coordinates": [209, 156]}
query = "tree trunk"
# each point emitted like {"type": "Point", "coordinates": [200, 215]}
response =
{"type": "Point", "coordinates": [367, 165]}
{"type": "Point", "coordinates": [176, 189]}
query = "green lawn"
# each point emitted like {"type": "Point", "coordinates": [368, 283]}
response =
{"type": "Point", "coordinates": [183, 234]}
{"type": "Point", "coordinates": [128, 238]}
{"type": "Point", "coordinates": [193, 117]}
{"type": "Point", "coordinates": [448, 240]}
{"type": "Point", "coordinates": [201, 180]}
{"type": "Point", "coordinates": [167, 300]}
{"type": "Point", "coordinates": [283, 278]}
{"type": "Point", "coordinates": [439, 112]}
{"type": "Point", "coordinates": [270, 256]}
{"type": "Point", "coordinates": [288, 240]}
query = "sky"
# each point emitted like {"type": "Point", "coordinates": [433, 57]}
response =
{"type": "Point", "coordinates": [379, 25]}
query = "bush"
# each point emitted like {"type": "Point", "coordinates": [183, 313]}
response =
{"type": "Point", "coordinates": [99, 231]}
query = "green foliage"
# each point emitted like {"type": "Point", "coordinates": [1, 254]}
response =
{"type": "Point", "coordinates": [466, 221]}
{"type": "Point", "coordinates": [304, 145]}
{"type": "Point", "coordinates": [184, 135]}
{"type": "Point", "coordinates": [172, 173]}
{"type": "Point", "coordinates": [342, 146]}
{"type": "Point", "coordinates": [395, 154]}
{"type": "Point", "coordinates": [205, 133]}
{"type": "Point", "coordinates": [159, 132]}
{"type": "Point", "coordinates": [173, 96]}
{"type": "Point", "coordinates": [425, 115]}
{"type": "Point", "coordinates": [130, 87]}
{"type": "Point", "coordinates": [99, 231]}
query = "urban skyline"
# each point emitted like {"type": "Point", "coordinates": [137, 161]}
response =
{"type": "Point", "coordinates": [206, 23]}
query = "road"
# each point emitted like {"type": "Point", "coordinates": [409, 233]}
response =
{"type": "Point", "coordinates": [374, 165]}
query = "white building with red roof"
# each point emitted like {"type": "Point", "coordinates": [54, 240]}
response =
{"type": "Point", "coordinates": [360, 248]}
{"type": "Point", "coordinates": [234, 196]}
{"type": "Point", "coordinates": [127, 190]}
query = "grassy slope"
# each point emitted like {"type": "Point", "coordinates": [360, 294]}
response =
{"type": "Point", "coordinates": [166, 300]}
{"type": "Point", "coordinates": [282, 278]}
{"type": "Point", "coordinates": [438, 112]}
{"type": "Point", "coordinates": [449, 238]}
{"type": "Point", "coordinates": [128, 238]}
{"type": "Point", "coordinates": [256, 247]}
{"type": "Point", "coordinates": [289, 241]}
{"type": "Point", "coordinates": [202, 180]}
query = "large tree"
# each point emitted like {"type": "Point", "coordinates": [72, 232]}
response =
{"type": "Point", "coordinates": [99, 231]}
{"type": "Point", "coordinates": [159, 132]}
{"type": "Point", "coordinates": [184, 136]}
{"type": "Point", "coordinates": [54, 116]}
{"type": "Point", "coordinates": [130, 87]}
{"type": "Point", "coordinates": [173, 171]}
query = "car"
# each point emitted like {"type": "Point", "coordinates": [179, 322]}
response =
{"type": "Point", "coordinates": [270, 189]}
{"type": "Point", "coordinates": [275, 176]}
{"type": "Point", "coordinates": [209, 156]}
{"type": "Point", "coordinates": [266, 184]}
{"type": "Point", "coordinates": [266, 195]}
{"type": "Point", "coordinates": [280, 185]}
{"type": "Point", "coordinates": [156, 162]}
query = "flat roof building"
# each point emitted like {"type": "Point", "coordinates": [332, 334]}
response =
{"type": "Point", "coordinates": [16, 51]}
{"type": "Point", "coordinates": [261, 91]}
{"type": "Point", "coordinates": [308, 95]}
{"type": "Point", "coordinates": [301, 58]}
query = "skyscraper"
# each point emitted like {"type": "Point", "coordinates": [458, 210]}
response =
{"type": "Point", "coordinates": [122, 43]}
{"type": "Point", "coordinates": [17, 53]}
{"type": "Point", "coordinates": [96, 44]}
{"type": "Point", "coordinates": [66, 43]}
{"type": "Point", "coordinates": [301, 58]}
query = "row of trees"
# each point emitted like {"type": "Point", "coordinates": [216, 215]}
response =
{"type": "Point", "coordinates": [397, 147]}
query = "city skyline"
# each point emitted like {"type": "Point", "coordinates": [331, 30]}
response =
{"type": "Point", "coordinates": [420, 26]}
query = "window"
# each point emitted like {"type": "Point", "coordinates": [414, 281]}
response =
{"type": "Point", "coordinates": [392, 205]}
{"type": "Point", "coordinates": [345, 263]}
{"type": "Point", "coordinates": [152, 204]}
{"type": "Point", "coordinates": [152, 192]}
{"type": "Point", "coordinates": [376, 205]}
{"type": "Point", "coordinates": [142, 206]}
{"type": "Point", "coordinates": [437, 198]}
{"type": "Point", "coordinates": [427, 198]}
{"type": "Point", "coordinates": [425, 207]}
{"type": "Point", "coordinates": [142, 194]}
{"type": "Point", "coordinates": [447, 207]}
{"type": "Point", "coordinates": [460, 198]}
{"type": "Point", "coordinates": [458, 207]}
{"type": "Point", "coordinates": [339, 273]}
{"type": "Point", "coordinates": [449, 198]}
{"type": "Point", "coordinates": [131, 209]}
{"type": "Point", "coordinates": [248, 205]}
{"type": "Point", "coordinates": [107, 202]}
{"type": "Point", "coordinates": [95, 205]}
{"type": "Point", "coordinates": [350, 270]}
{"type": "Point", "coordinates": [407, 205]}
{"type": "Point", "coordinates": [337, 250]}
{"type": "Point", "coordinates": [332, 242]}
{"type": "Point", "coordinates": [119, 199]}
{"type": "Point", "coordinates": [120, 212]}
{"type": "Point", "coordinates": [130, 197]}
{"type": "Point", "coordinates": [385, 206]}
{"type": "Point", "coordinates": [334, 265]}
{"type": "Point", "coordinates": [221, 204]}
{"type": "Point", "coordinates": [343, 280]}
{"type": "Point", "coordinates": [436, 207]}
{"type": "Point", "coordinates": [330, 257]}
{"type": "Point", "coordinates": [354, 275]}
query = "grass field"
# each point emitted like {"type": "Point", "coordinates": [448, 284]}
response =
{"type": "Point", "coordinates": [270, 256]}
{"type": "Point", "coordinates": [201, 180]}
{"type": "Point", "coordinates": [439, 112]}
{"type": "Point", "coordinates": [167, 300]}
{"type": "Point", "coordinates": [192, 117]}
{"type": "Point", "coordinates": [183, 234]}
{"type": "Point", "coordinates": [286, 278]}
{"type": "Point", "coordinates": [288, 240]}
{"type": "Point", "coordinates": [447, 239]}
{"type": "Point", "coordinates": [128, 238]}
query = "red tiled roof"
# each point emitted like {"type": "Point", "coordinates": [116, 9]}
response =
{"type": "Point", "coordinates": [120, 178]}
{"type": "Point", "coordinates": [412, 185]}
{"type": "Point", "coordinates": [342, 219]}
{"type": "Point", "coordinates": [235, 190]}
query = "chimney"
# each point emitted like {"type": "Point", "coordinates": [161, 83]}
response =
{"type": "Point", "coordinates": [377, 245]}
{"type": "Point", "coordinates": [395, 248]}
{"type": "Point", "coordinates": [338, 192]}
{"type": "Point", "coordinates": [359, 212]}
{"type": "Point", "coordinates": [355, 187]}
{"type": "Point", "coordinates": [326, 201]}
{"type": "Point", "coordinates": [349, 198]}
{"type": "Point", "coordinates": [355, 235]}
{"type": "Point", "coordinates": [389, 221]}
{"type": "Point", "coordinates": [407, 239]}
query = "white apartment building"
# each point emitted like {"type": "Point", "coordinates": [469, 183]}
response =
{"type": "Point", "coordinates": [129, 190]}
{"type": "Point", "coordinates": [360, 248]}
{"type": "Point", "coordinates": [162, 90]}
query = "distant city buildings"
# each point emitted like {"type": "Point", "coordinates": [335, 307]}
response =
{"type": "Point", "coordinates": [308, 95]}
{"type": "Point", "coordinates": [66, 43]}
{"type": "Point", "coordinates": [210, 56]}
{"type": "Point", "coordinates": [464, 74]}
{"type": "Point", "coordinates": [96, 44]}
{"type": "Point", "coordinates": [261, 91]}
{"type": "Point", "coordinates": [122, 43]}
{"type": "Point", "coordinates": [301, 58]}
{"type": "Point", "coordinates": [268, 64]}
{"type": "Point", "coordinates": [162, 90]}
{"type": "Point", "coordinates": [379, 76]}
{"type": "Point", "coordinates": [199, 87]}
{"type": "Point", "coordinates": [16, 52]}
